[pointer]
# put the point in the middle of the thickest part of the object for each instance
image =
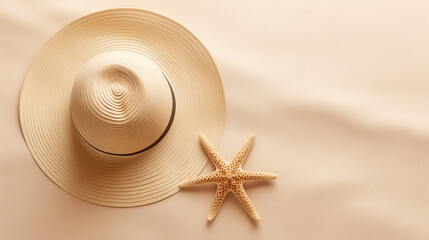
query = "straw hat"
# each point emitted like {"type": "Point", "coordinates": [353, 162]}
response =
{"type": "Point", "coordinates": [112, 106]}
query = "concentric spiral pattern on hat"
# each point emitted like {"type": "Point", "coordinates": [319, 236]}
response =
{"type": "Point", "coordinates": [121, 103]}
{"type": "Point", "coordinates": [70, 102]}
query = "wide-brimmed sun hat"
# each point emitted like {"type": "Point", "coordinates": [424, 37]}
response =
{"type": "Point", "coordinates": [112, 106]}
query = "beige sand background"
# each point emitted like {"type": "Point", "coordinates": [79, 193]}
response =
{"type": "Point", "coordinates": [336, 91]}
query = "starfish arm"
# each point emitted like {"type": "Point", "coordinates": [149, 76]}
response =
{"type": "Point", "coordinates": [206, 178]}
{"type": "Point", "coordinates": [221, 192]}
{"type": "Point", "coordinates": [216, 158]}
{"type": "Point", "coordinates": [255, 176]}
{"type": "Point", "coordinates": [241, 155]}
{"type": "Point", "coordinates": [238, 190]}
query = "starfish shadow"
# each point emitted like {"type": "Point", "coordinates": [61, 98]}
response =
{"type": "Point", "coordinates": [257, 184]}
{"type": "Point", "coordinates": [232, 199]}
{"type": "Point", "coordinates": [238, 205]}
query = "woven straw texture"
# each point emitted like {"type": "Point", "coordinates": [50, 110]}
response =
{"type": "Point", "coordinates": [50, 101]}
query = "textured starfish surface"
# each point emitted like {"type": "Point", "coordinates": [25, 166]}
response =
{"type": "Point", "coordinates": [229, 176]}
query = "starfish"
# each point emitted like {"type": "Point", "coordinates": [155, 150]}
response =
{"type": "Point", "coordinates": [229, 176]}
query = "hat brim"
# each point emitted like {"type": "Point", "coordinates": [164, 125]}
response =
{"type": "Point", "coordinates": [121, 181]}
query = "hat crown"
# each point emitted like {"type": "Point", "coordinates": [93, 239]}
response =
{"type": "Point", "coordinates": [121, 103]}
